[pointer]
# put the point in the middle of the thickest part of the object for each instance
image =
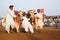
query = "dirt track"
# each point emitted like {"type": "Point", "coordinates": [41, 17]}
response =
{"type": "Point", "coordinates": [46, 34]}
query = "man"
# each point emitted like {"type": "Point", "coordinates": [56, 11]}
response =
{"type": "Point", "coordinates": [10, 19]}
{"type": "Point", "coordinates": [26, 24]}
{"type": "Point", "coordinates": [31, 18]}
{"type": "Point", "coordinates": [39, 19]}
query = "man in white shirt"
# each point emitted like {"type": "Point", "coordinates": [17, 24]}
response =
{"type": "Point", "coordinates": [26, 24]}
{"type": "Point", "coordinates": [10, 19]}
{"type": "Point", "coordinates": [39, 20]}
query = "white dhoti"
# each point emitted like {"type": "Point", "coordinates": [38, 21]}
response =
{"type": "Point", "coordinates": [39, 23]}
{"type": "Point", "coordinates": [27, 26]}
{"type": "Point", "coordinates": [9, 21]}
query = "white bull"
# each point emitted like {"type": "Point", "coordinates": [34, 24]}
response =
{"type": "Point", "coordinates": [39, 20]}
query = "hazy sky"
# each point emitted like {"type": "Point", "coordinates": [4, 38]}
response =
{"type": "Point", "coordinates": [51, 7]}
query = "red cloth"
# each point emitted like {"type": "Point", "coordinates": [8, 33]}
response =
{"type": "Point", "coordinates": [41, 10]}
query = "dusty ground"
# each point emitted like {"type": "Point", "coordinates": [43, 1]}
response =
{"type": "Point", "coordinates": [46, 34]}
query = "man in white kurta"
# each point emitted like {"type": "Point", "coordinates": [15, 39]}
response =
{"type": "Point", "coordinates": [26, 25]}
{"type": "Point", "coordinates": [9, 19]}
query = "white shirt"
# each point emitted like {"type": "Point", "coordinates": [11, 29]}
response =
{"type": "Point", "coordinates": [10, 15]}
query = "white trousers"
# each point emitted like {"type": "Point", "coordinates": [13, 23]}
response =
{"type": "Point", "coordinates": [9, 22]}
{"type": "Point", "coordinates": [27, 26]}
{"type": "Point", "coordinates": [39, 23]}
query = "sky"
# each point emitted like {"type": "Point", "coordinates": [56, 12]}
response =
{"type": "Point", "coordinates": [51, 7]}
